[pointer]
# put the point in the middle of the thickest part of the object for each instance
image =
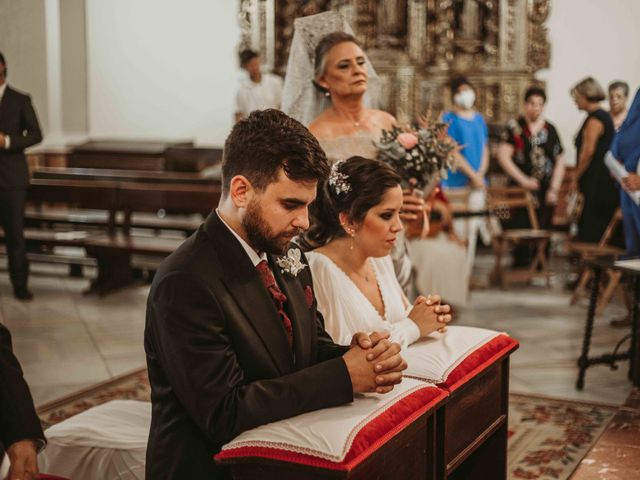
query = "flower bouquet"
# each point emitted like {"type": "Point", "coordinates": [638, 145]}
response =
{"type": "Point", "coordinates": [421, 152]}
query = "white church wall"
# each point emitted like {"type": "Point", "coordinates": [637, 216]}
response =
{"type": "Point", "coordinates": [589, 38]}
{"type": "Point", "coordinates": [162, 69]}
{"type": "Point", "coordinates": [23, 42]}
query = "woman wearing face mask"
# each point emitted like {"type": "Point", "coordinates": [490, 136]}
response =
{"type": "Point", "coordinates": [357, 222]}
{"type": "Point", "coordinates": [468, 129]}
{"type": "Point", "coordinates": [531, 154]}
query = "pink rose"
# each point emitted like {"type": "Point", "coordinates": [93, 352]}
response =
{"type": "Point", "coordinates": [407, 140]}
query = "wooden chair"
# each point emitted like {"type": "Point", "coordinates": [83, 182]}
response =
{"type": "Point", "coordinates": [590, 250]}
{"type": "Point", "coordinates": [501, 200]}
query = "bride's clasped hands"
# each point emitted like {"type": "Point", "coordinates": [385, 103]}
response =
{"type": "Point", "coordinates": [430, 315]}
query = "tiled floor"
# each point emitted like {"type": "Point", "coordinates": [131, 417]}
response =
{"type": "Point", "coordinates": [616, 455]}
{"type": "Point", "coordinates": [67, 341]}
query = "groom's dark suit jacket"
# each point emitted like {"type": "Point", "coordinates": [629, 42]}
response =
{"type": "Point", "coordinates": [218, 357]}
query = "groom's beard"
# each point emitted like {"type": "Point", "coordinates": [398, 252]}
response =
{"type": "Point", "coordinates": [260, 235]}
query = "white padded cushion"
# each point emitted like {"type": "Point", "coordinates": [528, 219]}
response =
{"type": "Point", "coordinates": [434, 357]}
{"type": "Point", "coordinates": [115, 424]}
{"type": "Point", "coordinates": [327, 433]}
{"type": "Point", "coordinates": [107, 441]}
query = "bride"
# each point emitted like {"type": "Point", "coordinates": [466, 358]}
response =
{"type": "Point", "coordinates": [327, 87]}
{"type": "Point", "coordinates": [357, 216]}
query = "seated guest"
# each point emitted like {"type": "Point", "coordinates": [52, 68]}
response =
{"type": "Point", "coordinates": [258, 90]}
{"type": "Point", "coordinates": [20, 432]}
{"type": "Point", "coordinates": [531, 155]}
{"type": "Point", "coordinates": [618, 97]}
{"type": "Point", "coordinates": [358, 221]}
{"type": "Point", "coordinates": [592, 177]}
{"type": "Point", "coordinates": [233, 338]}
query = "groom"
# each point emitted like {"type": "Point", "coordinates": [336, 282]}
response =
{"type": "Point", "coordinates": [233, 338]}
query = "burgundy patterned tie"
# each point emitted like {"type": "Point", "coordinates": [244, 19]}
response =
{"type": "Point", "coordinates": [279, 298]}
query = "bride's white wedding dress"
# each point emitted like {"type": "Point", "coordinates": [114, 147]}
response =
{"type": "Point", "coordinates": [346, 310]}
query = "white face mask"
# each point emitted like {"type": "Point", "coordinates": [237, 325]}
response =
{"type": "Point", "coordinates": [465, 99]}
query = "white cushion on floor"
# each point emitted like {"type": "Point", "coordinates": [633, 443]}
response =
{"type": "Point", "coordinates": [105, 442]}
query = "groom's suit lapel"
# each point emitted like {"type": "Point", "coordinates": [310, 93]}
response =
{"type": "Point", "coordinates": [297, 310]}
{"type": "Point", "coordinates": [244, 284]}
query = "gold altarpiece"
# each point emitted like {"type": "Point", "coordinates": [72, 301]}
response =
{"type": "Point", "coordinates": [417, 46]}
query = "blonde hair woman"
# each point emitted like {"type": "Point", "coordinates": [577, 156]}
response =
{"type": "Point", "coordinates": [591, 176]}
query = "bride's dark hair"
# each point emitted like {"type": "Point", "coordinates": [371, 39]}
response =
{"type": "Point", "coordinates": [368, 180]}
{"type": "Point", "coordinates": [325, 44]}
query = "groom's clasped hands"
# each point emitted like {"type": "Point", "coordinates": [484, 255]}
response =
{"type": "Point", "coordinates": [374, 363]}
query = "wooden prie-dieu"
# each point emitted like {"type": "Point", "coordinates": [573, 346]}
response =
{"type": "Point", "coordinates": [459, 433]}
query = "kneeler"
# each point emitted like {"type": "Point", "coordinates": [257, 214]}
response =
{"type": "Point", "coordinates": [448, 417]}
{"type": "Point", "coordinates": [106, 441]}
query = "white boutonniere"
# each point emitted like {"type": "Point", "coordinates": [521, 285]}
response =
{"type": "Point", "coordinates": [292, 263]}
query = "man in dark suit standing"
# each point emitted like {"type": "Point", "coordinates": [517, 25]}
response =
{"type": "Point", "coordinates": [20, 431]}
{"type": "Point", "coordinates": [19, 129]}
{"type": "Point", "coordinates": [233, 338]}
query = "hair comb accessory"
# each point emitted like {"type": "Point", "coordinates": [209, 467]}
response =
{"type": "Point", "coordinates": [338, 180]}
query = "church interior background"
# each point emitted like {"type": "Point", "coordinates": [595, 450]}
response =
{"type": "Point", "coordinates": [149, 70]}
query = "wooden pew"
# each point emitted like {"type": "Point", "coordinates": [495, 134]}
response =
{"type": "Point", "coordinates": [95, 195]}
{"type": "Point", "coordinates": [156, 156]}
{"type": "Point", "coordinates": [113, 253]}
{"type": "Point", "coordinates": [149, 197]}
{"type": "Point", "coordinates": [191, 159]}
{"type": "Point", "coordinates": [119, 175]}
{"type": "Point", "coordinates": [123, 205]}
{"type": "Point", "coordinates": [122, 154]}
{"type": "Point", "coordinates": [64, 217]}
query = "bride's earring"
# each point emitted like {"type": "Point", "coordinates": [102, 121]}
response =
{"type": "Point", "coordinates": [327, 93]}
{"type": "Point", "coordinates": [352, 234]}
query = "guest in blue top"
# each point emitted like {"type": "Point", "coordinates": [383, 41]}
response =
{"type": "Point", "coordinates": [626, 148]}
{"type": "Point", "coordinates": [467, 127]}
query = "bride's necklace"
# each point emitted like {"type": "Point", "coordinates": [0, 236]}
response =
{"type": "Point", "coordinates": [365, 277]}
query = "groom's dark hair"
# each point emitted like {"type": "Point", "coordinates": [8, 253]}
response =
{"type": "Point", "coordinates": [266, 141]}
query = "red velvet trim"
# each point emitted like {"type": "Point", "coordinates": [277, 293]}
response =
{"type": "Point", "coordinates": [372, 436]}
{"type": "Point", "coordinates": [479, 360]}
